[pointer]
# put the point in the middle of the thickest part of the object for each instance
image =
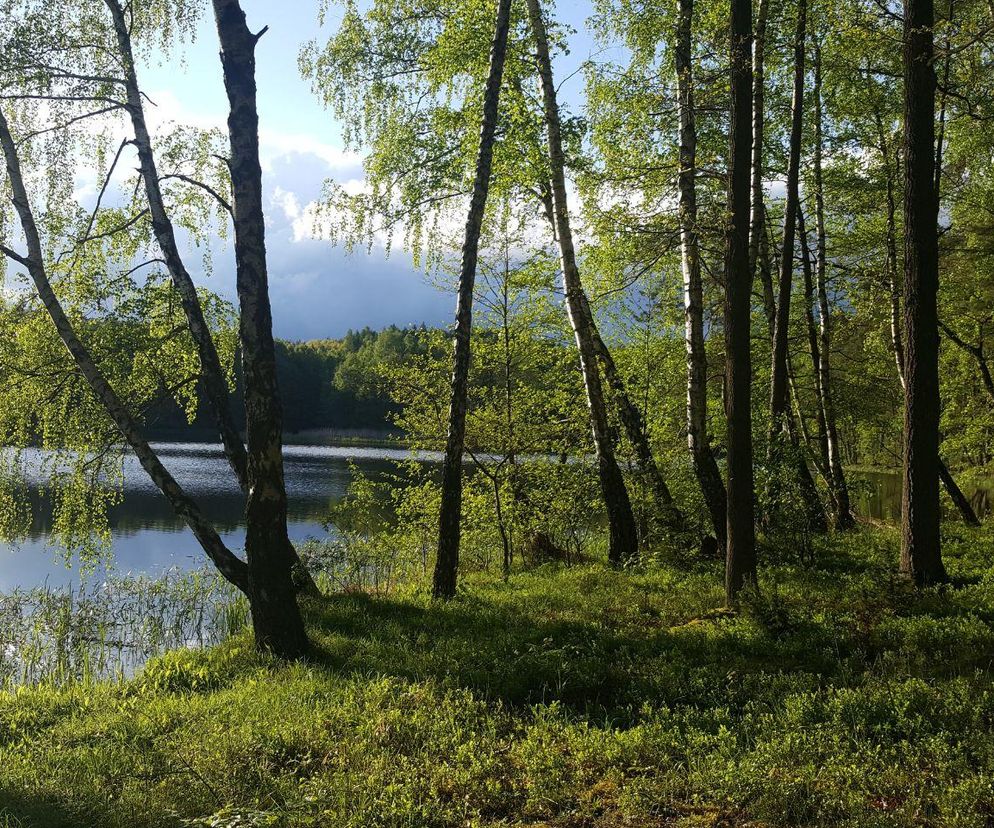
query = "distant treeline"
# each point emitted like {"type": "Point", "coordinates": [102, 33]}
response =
{"type": "Point", "coordinates": [324, 384]}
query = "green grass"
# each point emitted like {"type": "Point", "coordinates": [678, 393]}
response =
{"type": "Point", "coordinates": [566, 697]}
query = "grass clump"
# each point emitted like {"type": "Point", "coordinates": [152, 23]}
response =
{"type": "Point", "coordinates": [567, 697]}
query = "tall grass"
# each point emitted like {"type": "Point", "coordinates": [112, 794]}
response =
{"type": "Point", "coordinates": [108, 629]}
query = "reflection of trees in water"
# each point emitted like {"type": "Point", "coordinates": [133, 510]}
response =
{"type": "Point", "coordinates": [879, 495]}
{"type": "Point", "coordinates": [314, 486]}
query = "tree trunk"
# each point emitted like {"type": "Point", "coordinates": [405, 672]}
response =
{"type": "Point", "coordinates": [698, 440]}
{"type": "Point", "coordinates": [778, 382]}
{"type": "Point", "coordinates": [757, 220]}
{"type": "Point", "coordinates": [233, 569]}
{"type": "Point", "coordinates": [741, 544]}
{"type": "Point", "coordinates": [977, 352]}
{"type": "Point", "coordinates": [276, 616]}
{"type": "Point", "coordinates": [211, 372]}
{"type": "Point", "coordinates": [921, 556]}
{"type": "Point", "coordinates": [844, 519]}
{"type": "Point", "coordinates": [897, 339]}
{"type": "Point", "coordinates": [623, 536]}
{"type": "Point", "coordinates": [813, 345]}
{"type": "Point", "coordinates": [447, 560]}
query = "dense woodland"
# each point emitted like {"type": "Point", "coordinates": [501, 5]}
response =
{"type": "Point", "coordinates": [700, 276]}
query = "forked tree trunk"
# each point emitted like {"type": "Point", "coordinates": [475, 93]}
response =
{"type": "Point", "coordinates": [623, 536]}
{"type": "Point", "coordinates": [698, 440]}
{"type": "Point", "coordinates": [447, 560]}
{"type": "Point", "coordinates": [276, 616]}
{"type": "Point", "coordinates": [233, 569]}
{"type": "Point", "coordinates": [778, 372]}
{"type": "Point", "coordinates": [921, 555]}
{"type": "Point", "coordinates": [741, 544]}
{"type": "Point", "coordinates": [844, 519]}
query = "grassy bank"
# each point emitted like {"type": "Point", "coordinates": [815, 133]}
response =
{"type": "Point", "coordinates": [566, 697]}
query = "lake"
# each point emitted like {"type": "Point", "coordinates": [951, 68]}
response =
{"type": "Point", "coordinates": [149, 539]}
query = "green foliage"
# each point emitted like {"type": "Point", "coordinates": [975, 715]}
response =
{"type": "Point", "coordinates": [565, 696]}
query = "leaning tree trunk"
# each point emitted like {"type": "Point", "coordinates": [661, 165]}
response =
{"type": "Point", "coordinates": [212, 374]}
{"type": "Point", "coordinates": [921, 555]}
{"type": "Point", "coordinates": [621, 520]}
{"type": "Point", "coordinates": [233, 569]}
{"type": "Point", "coordinates": [276, 616]}
{"type": "Point", "coordinates": [741, 544]}
{"type": "Point", "coordinates": [447, 560]}
{"type": "Point", "coordinates": [628, 412]}
{"type": "Point", "coordinates": [840, 490]}
{"type": "Point", "coordinates": [705, 466]}
{"type": "Point", "coordinates": [778, 382]}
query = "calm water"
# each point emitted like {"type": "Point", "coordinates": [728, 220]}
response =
{"type": "Point", "coordinates": [877, 495]}
{"type": "Point", "coordinates": [149, 538]}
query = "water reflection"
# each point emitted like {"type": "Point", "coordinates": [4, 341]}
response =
{"type": "Point", "coordinates": [877, 495]}
{"type": "Point", "coordinates": [149, 538]}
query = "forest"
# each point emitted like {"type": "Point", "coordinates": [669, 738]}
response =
{"type": "Point", "coordinates": [717, 268]}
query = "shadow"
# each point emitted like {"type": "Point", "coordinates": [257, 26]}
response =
{"type": "Point", "coordinates": [22, 810]}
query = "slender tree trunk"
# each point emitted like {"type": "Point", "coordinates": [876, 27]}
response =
{"type": "Point", "coordinates": [698, 440]}
{"type": "Point", "coordinates": [212, 374]}
{"type": "Point", "coordinates": [844, 519]}
{"type": "Point", "coordinates": [447, 560]}
{"type": "Point", "coordinates": [635, 429]}
{"type": "Point", "coordinates": [741, 543]}
{"type": "Point", "coordinates": [276, 616]}
{"type": "Point", "coordinates": [778, 383]}
{"type": "Point", "coordinates": [621, 520]}
{"type": "Point", "coordinates": [921, 556]}
{"type": "Point", "coordinates": [765, 268]}
{"type": "Point", "coordinates": [757, 221]}
{"type": "Point", "coordinates": [233, 569]}
{"type": "Point", "coordinates": [813, 346]}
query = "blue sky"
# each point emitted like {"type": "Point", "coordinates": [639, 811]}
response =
{"type": "Point", "coordinates": [317, 289]}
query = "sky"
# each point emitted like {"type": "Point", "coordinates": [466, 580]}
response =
{"type": "Point", "coordinates": [317, 289]}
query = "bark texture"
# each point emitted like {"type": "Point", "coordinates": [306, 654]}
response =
{"type": "Point", "coordinates": [921, 556]}
{"type": "Point", "coordinates": [276, 617]}
{"type": "Point", "coordinates": [621, 520]}
{"type": "Point", "coordinates": [698, 440]}
{"type": "Point", "coordinates": [741, 545]}
{"type": "Point", "coordinates": [757, 218]}
{"type": "Point", "coordinates": [447, 559]}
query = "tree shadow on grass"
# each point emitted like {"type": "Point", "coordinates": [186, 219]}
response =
{"type": "Point", "coordinates": [19, 809]}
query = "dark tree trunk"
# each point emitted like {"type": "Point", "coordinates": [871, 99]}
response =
{"type": "Point", "coordinates": [921, 555]}
{"type": "Point", "coordinates": [698, 440]}
{"type": "Point", "coordinates": [276, 616]}
{"type": "Point", "coordinates": [977, 352]}
{"type": "Point", "coordinates": [778, 382]}
{"type": "Point", "coordinates": [757, 219]}
{"type": "Point", "coordinates": [447, 560]}
{"type": "Point", "coordinates": [621, 520]}
{"type": "Point", "coordinates": [233, 569]}
{"type": "Point", "coordinates": [741, 544]}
